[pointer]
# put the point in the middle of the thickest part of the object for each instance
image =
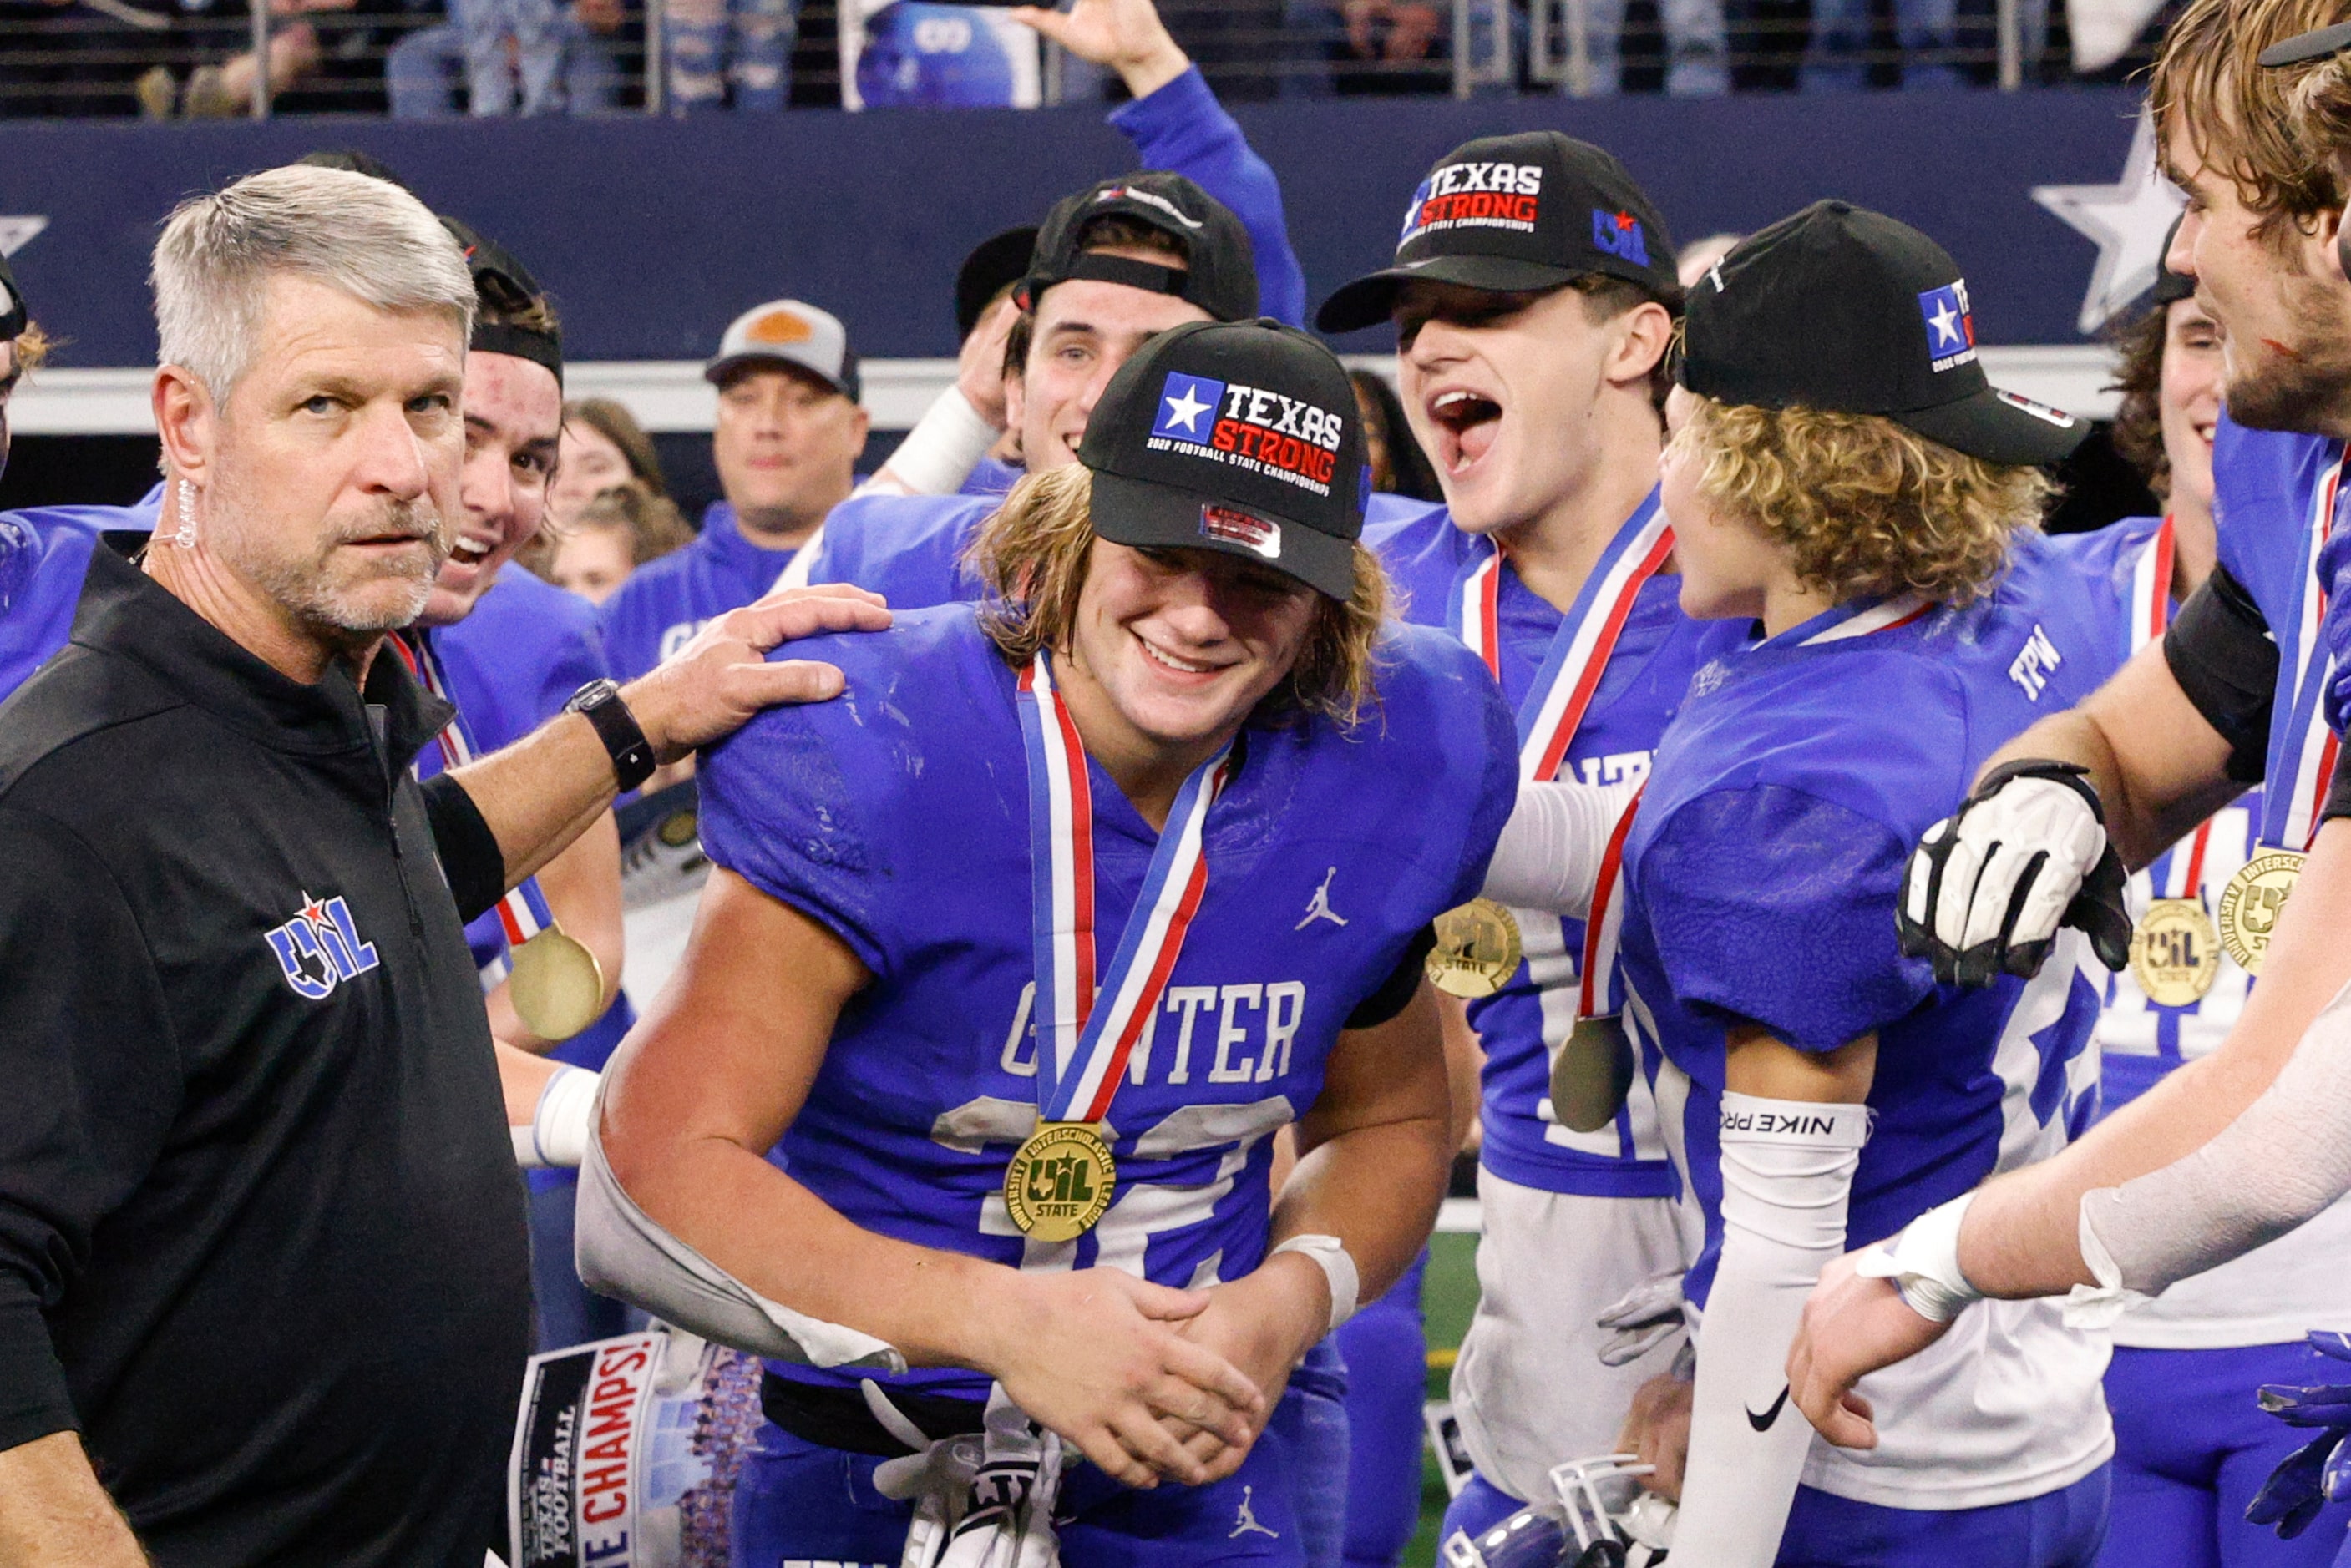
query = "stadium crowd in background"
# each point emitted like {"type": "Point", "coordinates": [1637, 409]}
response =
{"type": "Point", "coordinates": [996, 1060]}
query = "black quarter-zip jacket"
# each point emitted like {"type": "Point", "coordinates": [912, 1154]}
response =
{"type": "Point", "coordinates": [262, 1238]}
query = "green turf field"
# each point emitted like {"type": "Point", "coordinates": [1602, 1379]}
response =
{"type": "Point", "coordinates": [1448, 1297]}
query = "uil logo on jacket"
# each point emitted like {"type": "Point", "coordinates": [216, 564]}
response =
{"type": "Point", "coordinates": [319, 948]}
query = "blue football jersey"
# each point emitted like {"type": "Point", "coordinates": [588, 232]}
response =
{"type": "Point", "coordinates": [43, 553]}
{"type": "Point", "coordinates": [1428, 560]}
{"type": "Point", "coordinates": [666, 601]}
{"type": "Point", "coordinates": [1764, 867]}
{"type": "Point", "coordinates": [908, 549]}
{"type": "Point", "coordinates": [2269, 488]}
{"type": "Point", "coordinates": [898, 817]}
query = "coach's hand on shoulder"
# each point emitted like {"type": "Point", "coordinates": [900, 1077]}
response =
{"type": "Point", "coordinates": [716, 684]}
{"type": "Point", "coordinates": [1125, 35]}
{"type": "Point", "coordinates": [1988, 887]}
{"type": "Point", "coordinates": [1854, 1325]}
{"type": "Point", "coordinates": [1098, 1356]}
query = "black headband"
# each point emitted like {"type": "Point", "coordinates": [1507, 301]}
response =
{"type": "Point", "coordinates": [522, 342]}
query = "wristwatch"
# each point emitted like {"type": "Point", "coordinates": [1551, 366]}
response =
{"type": "Point", "coordinates": [600, 703]}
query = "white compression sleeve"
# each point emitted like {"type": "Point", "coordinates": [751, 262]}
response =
{"type": "Point", "coordinates": [1787, 1173]}
{"type": "Point", "coordinates": [620, 1250]}
{"type": "Point", "coordinates": [939, 453]}
{"type": "Point", "coordinates": [1549, 852]}
{"type": "Point", "coordinates": [2280, 1163]}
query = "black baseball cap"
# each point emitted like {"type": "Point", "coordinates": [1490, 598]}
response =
{"type": "Point", "coordinates": [995, 264]}
{"type": "Point", "coordinates": [503, 283]}
{"type": "Point", "coordinates": [1514, 215]}
{"type": "Point", "coordinates": [2318, 44]}
{"type": "Point", "coordinates": [1843, 309]}
{"type": "Point", "coordinates": [1240, 436]}
{"type": "Point", "coordinates": [1219, 274]}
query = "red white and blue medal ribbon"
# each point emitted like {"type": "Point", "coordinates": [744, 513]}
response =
{"type": "Point", "coordinates": [2174, 874]}
{"type": "Point", "coordinates": [1555, 706]}
{"type": "Point", "coordinates": [1088, 1025]}
{"type": "Point", "coordinates": [523, 913]}
{"type": "Point", "coordinates": [2312, 746]}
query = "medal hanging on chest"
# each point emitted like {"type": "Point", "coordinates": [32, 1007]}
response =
{"type": "Point", "coordinates": [1591, 1072]}
{"type": "Point", "coordinates": [1479, 945]}
{"type": "Point", "coordinates": [1060, 1182]}
{"type": "Point", "coordinates": [2256, 896]}
{"type": "Point", "coordinates": [555, 984]}
{"type": "Point", "coordinates": [2175, 952]}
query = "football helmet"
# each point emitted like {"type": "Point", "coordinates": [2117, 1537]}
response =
{"type": "Point", "coordinates": [1600, 1517]}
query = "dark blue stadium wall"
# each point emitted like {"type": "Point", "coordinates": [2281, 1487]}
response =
{"type": "Point", "coordinates": [652, 234]}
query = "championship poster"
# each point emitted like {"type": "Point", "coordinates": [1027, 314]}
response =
{"type": "Point", "coordinates": [626, 1451]}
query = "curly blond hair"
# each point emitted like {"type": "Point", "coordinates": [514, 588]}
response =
{"type": "Point", "coordinates": [1863, 506]}
{"type": "Point", "coordinates": [1032, 556]}
{"type": "Point", "coordinates": [2240, 119]}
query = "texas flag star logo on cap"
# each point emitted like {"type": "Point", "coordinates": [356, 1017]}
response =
{"type": "Point", "coordinates": [1188, 407]}
{"type": "Point", "coordinates": [1950, 326]}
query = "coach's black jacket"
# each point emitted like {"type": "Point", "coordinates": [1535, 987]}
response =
{"type": "Point", "coordinates": [262, 1238]}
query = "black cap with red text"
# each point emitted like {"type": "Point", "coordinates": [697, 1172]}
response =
{"type": "Point", "coordinates": [1516, 214]}
{"type": "Point", "coordinates": [1239, 437]}
{"type": "Point", "coordinates": [1220, 270]}
{"type": "Point", "coordinates": [1849, 311]}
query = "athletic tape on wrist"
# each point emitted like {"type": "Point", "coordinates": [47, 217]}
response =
{"type": "Point", "coordinates": [566, 1113]}
{"type": "Point", "coordinates": [1923, 1261]}
{"type": "Point", "coordinates": [939, 453]}
{"type": "Point", "coordinates": [1330, 1255]}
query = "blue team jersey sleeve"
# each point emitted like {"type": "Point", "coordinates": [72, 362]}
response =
{"type": "Point", "coordinates": [1184, 129]}
{"type": "Point", "coordinates": [1474, 748]}
{"type": "Point", "coordinates": [789, 804]}
{"type": "Point", "coordinates": [1772, 905]}
{"type": "Point", "coordinates": [908, 549]}
{"type": "Point", "coordinates": [1422, 552]}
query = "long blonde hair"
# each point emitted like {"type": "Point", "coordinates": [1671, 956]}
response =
{"type": "Point", "coordinates": [1033, 554]}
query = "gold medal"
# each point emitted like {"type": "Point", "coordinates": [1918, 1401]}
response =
{"type": "Point", "coordinates": [1592, 1074]}
{"type": "Point", "coordinates": [1477, 950]}
{"type": "Point", "coordinates": [1060, 1183]}
{"type": "Point", "coordinates": [2251, 902]}
{"type": "Point", "coordinates": [2175, 953]}
{"type": "Point", "coordinates": [557, 985]}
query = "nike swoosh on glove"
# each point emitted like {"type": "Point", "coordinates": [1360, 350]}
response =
{"type": "Point", "coordinates": [2319, 1472]}
{"type": "Point", "coordinates": [1989, 885]}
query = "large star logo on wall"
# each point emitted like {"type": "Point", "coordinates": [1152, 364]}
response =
{"type": "Point", "coordinates": [2128, 219]}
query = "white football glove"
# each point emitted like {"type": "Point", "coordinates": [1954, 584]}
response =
{"type": "Point", "coordinates": [1988, 887]}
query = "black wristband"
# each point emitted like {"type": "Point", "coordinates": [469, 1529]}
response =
{"type": "Point", "coordinates": [600, 703]}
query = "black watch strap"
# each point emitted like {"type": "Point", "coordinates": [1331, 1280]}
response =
{"type": "Point", "coordinates": [600, 703]}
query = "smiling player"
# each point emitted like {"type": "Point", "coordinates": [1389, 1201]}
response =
{"type": "Point", "coordinates": [1005, 964]}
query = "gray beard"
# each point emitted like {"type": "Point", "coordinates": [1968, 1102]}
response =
{"type": "Point", "coordinates": [305, 592]}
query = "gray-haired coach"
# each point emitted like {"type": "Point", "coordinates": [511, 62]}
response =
{"type": "Point", "coordinates": [262, 1241]}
